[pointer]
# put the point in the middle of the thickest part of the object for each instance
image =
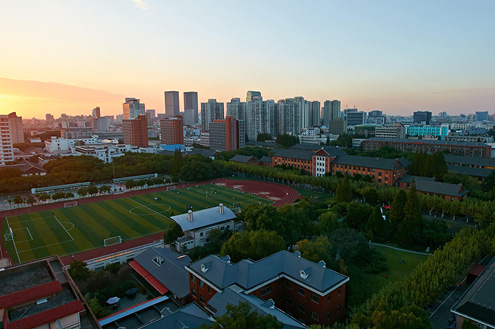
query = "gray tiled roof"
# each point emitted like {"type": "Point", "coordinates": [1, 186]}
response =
{"type": "Point", "coordinates": [475, 172]}
{"type": "Point", "coordinates": [248, 274]}
{"type": "Point", "coordinates": [425, 141]}
{"type": "Point", "coordinates": [266, 159]}
{"type": "Point", "coordinates": [228, 296]}
{"type": "Point", "coordinates": [262, 144]}
{"type": "Point", "coordinates": [430, 186]}
{"type": "Point", "coordinates": [202, 218]}
{"type": "Point", "coordinates": [293, 154]}
{"type": "Point", "coordinates": [331, 150]}
{"type": "Point", "coordinates": [203, 152]}
{"type": "Point", "coordinates": [242, 158]}
{"type": "Point", "coordinates": [172, 273]}
{"type": "Point", "coordinates": [478, 302]}
{"type": "Point", "coordinates": [190, 316]}
{"type": "Point", "coordinates": [464, 160]}
{"type": "Point", "coordinates": [378, 163]}
{"type": "Point", "coordinates": [410, 178]}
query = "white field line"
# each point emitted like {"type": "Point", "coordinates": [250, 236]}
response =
{"type": "Point", "coordinates": [63, 228]}
{"type": "Point", "coordinates": [145, 206]}
{"type": "Point", "coordinates": [47, 245]}
{"type": "Point", "coordinates": [13, 241]}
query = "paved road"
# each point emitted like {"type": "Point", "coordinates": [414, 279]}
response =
{"type": "Point", "coordinates": [405, 250]}
{"type": "Point", "coordinates": [440, 310]}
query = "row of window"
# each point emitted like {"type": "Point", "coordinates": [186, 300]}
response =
{"type": "Point", "coordinates": [314, 315]}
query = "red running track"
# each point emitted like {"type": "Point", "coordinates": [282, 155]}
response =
{"type": "Point", "coordinates": [286, 195]}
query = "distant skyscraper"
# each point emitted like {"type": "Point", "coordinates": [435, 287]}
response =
{"type": "Point", "coordinates": [171, 130]}
{"type": "Point", "coordinates": [305, 111]}
{"type": "Point", "coordinates": [355, 118]}
{"type": "Point", "coordinates": [236, 109]}
{"type": "Point", "coordinates": [422, 116]}
{"type": "Point", "coordinates": [331, 111]}
{"type": "Point", "coordinates": [253, 95]}
{"type": "Point", "coordinates": [227, 135]}
{"type": "Point", "coordinates": [96, 112]}
{"type": "Point", "coordinates": [136, 131]}
{"type": "Point", "coordinates": [16, 130]}
{"type": "Point", "coordinates": [290, 116]}
{"type": "Point", "coordinates": [191, 103]}
{"type": "Point", "coordinates": [49, 117]}
{"type": "Point", "coordinates": [189, 117]}
{"type": "Point", "coordinates": [171, 103]}
{"type": "Point", "coordinates": [258, 117]}
{"type": "Point", "coordinates": [210, 112]}
{"type": "Point", "coordinates": [314, 110]}
{"type": "Point", "coordinates": [133, 108]}
{"type": "Point", "coordinates": [482, 116]}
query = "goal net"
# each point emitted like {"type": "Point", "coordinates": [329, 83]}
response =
{"type": "Point", "coordinates": [9, 235]}
{"type": "Point", "coordinates": [70, 204]}
{"type": "Point", "coordinates": [171, 188]}
{"type": "Point", "coordinates": [113, 240]}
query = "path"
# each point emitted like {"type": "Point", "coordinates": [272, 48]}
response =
{"type": "Point", "coordinates": [400, 249]}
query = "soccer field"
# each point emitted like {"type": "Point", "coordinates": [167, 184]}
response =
{"type": "Point", "coordinates": [66, 231]}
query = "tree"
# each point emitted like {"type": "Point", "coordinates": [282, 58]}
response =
{"type": "Point", "coordinates": [241, 316]}
{"type": "Point", "coordinates": [376, 224]}
{"type": "Point", "coordinates": [18, 199]}
{"type": "Point", "coordinates": [263, 137]}
{"type": "Point", "coordinates": [177, 163]}
{"type": "Point", "coordinates": [328, 222]}
{"type": "Point", "coordinates": [130, 184]}
{"type": "Point", "coordinates": [104, 189]}
{"type": "Point", "coordinates": [44, 197]}
{"type": "Point", "coordinates": [82, 191]}
{"type": "Point", "coordinates": [316, 250]}
{"type": "Point", "coordinates": [344, 192]}
{"type": "Point", "coordinates": [468, 324]}
{"type": "Point", "coordinates": [489, 182]}
{"type": "Point", "coordinates": [30, 200]}
{"type": "Point", "coordinates": [172, 233]}
{"type": "Point", "coordinates": [287, 140]}
{"type": "Point", "coordinates": [252, 244]}
{"type": "Point", "coordinates": [396, 215]}
{"type": "Point", "coordinates": [94, 304]}
{"type": "Point", "coordinates": [69, 195]}
{"type": "Point", "coordinates": [92, 190]}
{"type": "Point", "coordinates": [58, 195]}
{"type": "Point", "coordinates": [79, 271]}
{"type": "Point", "coordinates": [197, 168]}
{"type": "Point", "coordinates": [409, 230]}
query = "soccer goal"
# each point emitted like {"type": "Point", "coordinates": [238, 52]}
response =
{"type": "Point", "coordinates": [9, 235]}
{"type": "Point", "coordinates": [70, 204]}
{"type": "Point", "coordinates": [171, 188]}
{"type": "Point", "coordinates": [113, 240]}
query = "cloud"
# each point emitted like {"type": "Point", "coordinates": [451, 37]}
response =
{"type": "Point", "coordinates": [140, 4]}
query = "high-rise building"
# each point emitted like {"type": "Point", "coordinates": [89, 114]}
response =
{"type": "Point", "coordinates": [171, 103]}
{"type": "Point", "coordinates": [136, 131]}
{"type": "Point", "coordinates": [482, 116]}
{"type": "Point", "coordinates": [337, 127]}
{"type": "Point", "coordinates": [331, 111]}
{"type": "Point", "coordinates": [355, 118]}
{"type": "Point", "coordinates": [96, 112]}
{"type": "Point", "coordinates": [290, 116]}
{"type": "Point", "coordinates": [133, 108]}
{"type": "Point", "coordinates": [49, 117]}
{"type": "Point", "coordinates": [236, 109]}
{"type": "Point", "coordinates": [259, 115]}
{"type": "Point", "coordinates": [227, 135]}
{"type": "Point", "coordinates": [6, 150]}
{"type": "Point", "coordinates": [150, 116]}
{"type": "Point", "coordinates": [172, 130]}
{"type": "Point", "coordinates": [191, 103]}
{"type": "Point", "coordinates": [314, 113]}
{"type": "Point", "coordinates": [211, 111]}
{"type": "Point", "coordinates": [16, 130]}
{"type": "Point", "coordinates": [253, 95]}
{"type": "Point", "coordinates": [305, 111]}
{"type": "Point", "coordinates": [422, 116]}
{"type": "Point", "coordinates": [189, 117]}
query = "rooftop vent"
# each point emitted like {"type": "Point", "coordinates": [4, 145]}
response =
{"type": "Point", "coordinates": [322, 263]}
{"type": "Point", "coordinates": [204, 269]}
{"type": "Point", "coordinates": [190, 215]}
{"type": "Point", "coordinates": [220, 208]}
{"type": "Point", "coordinates": [297, 253]}
{"type": "Point", "coordinates": [303, 275]}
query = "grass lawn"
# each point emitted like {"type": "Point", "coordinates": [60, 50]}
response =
{"type": "Point", "coordinates": [396, 270]}
{"type": "Point", "coordinates": [66, 231]}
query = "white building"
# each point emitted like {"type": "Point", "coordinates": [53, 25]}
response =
{"type": "Point", "coordinates": [197, 225]}
{"type": "Point", "coordinates": [6, 149]}
{"type": "Point", "coordinates": [56, 144]}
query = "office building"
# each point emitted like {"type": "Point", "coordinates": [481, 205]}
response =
{"type": "Point", "coordinates": [133, 108]}
{"type": "Point", "coordinates": [96, 112]}
{"type": "Point", "coordinates": [331, 111]}
{"type": "Point", "coordinates": [482, 116]}
{"type": "Point", "coordinates": [337, 127]}
{"type": "Point", "coordinates": [396, 130]}
{"type": "Point", "coordinates": [16, 130]}
{"type": "Point", "coordinates": [211, 111]}
{"type": "Point", "coordinates": [422, 117]}
{"type": "Point", "coordinates": [136, 131]}
{"type": "Point", "coordinates": [189, 117]}
{"type": "Point", "coordinates": [236, 109]}
{"type": "Point", "coordinates": [355, 118]}
{"type": "Point", "coordinates": [227, 135]}
{"type": "Point", "coordinates": [253, 95]}
{"type": "Point", "coordinates": [171, 103]}
{"type": "Point", "coordinates": [171, 130]}
{"type": "Point", "coordinates": [314, 114]}
{"type": "Point", "coordinates": [6, 150]}
{"type": "Point", "coordinates": [191, 103]}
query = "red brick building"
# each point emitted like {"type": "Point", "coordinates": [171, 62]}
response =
{"type": "Point", "coordinates": [307, 291]}
{"type": "Point", "coordinates": [473, 149]}
{"type": "Point", "coordinates": [171, 130]}
{"type": "Point", "coordinates": [136, 131]}
{"type": "Point", "coordinates": [227, 134]}
{"type": "Point", "coordinates": [428, 186]}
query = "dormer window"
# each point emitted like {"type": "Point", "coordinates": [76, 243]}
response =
{"type": "Point", "coordinates": [303, 275]}
{"type": "Point", "coordinates": [204, 268]}
{"type": "Point", "coordinates": [158, 261]}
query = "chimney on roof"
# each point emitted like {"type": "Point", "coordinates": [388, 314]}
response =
{"type": "Point", "coordinates": [190, 215]}
{"type": "Point", "coordinates": [322, 263]}
{"type": "Point", "coordinates": [220, 208]}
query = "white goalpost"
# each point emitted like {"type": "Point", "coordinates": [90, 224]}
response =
{"type": "Point", "coordinates": [9, 235]}
{"type": "Point", "coordinates": [171, 188]}
{"type": "Point", "coordinates": [70, 204]}
{"type": "Point", "coordinates": [111, 241]}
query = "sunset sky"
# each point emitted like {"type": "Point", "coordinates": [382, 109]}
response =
{"type": "Point", "coordinates": [68, 56]}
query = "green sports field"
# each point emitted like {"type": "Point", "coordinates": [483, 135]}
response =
{"type": "Point", "coordinates": [66, 231]}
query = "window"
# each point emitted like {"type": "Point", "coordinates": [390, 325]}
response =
{"type": "Point", "coordinates": [329, 315]}
{"type": "Point", "coordinates": [300, 308]}
{"type": "Point", "coordinates": [314, 298]}
{"type": "Point", "coordinates": [209, 290]}
{"type": "Point", "coordinates": [329, 298]}
{"type": "Point", "coordinates": [201, 283]}
{"type": "Point", "coordinates": [201, 234]}
{"type": "Point", "coordinates": [202, 299]}
{"type": "Point", "coordinates": [193, 278]}
{"type": "Point", "coordinates": [338, 307]}
{"type": "Point", "coordinates": [158, 260]}
{"type": "Point", "coordinates": [315, 316]}
{"type": "Point", "coordinates": [193, 292]}
{"type": "Point", "coordinates": [301, 291]}
{"type": "Point", "coordinates": [288, 301]}
{"type": "Point", "coordinates": [288, 285]}
{"type": "Point", "coordinates": [266, 290]}
{"type": "Point", "coordinates": [338, 291]}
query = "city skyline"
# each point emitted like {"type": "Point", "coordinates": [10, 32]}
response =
{"type": "Point", "coordinates": [399, 58]}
